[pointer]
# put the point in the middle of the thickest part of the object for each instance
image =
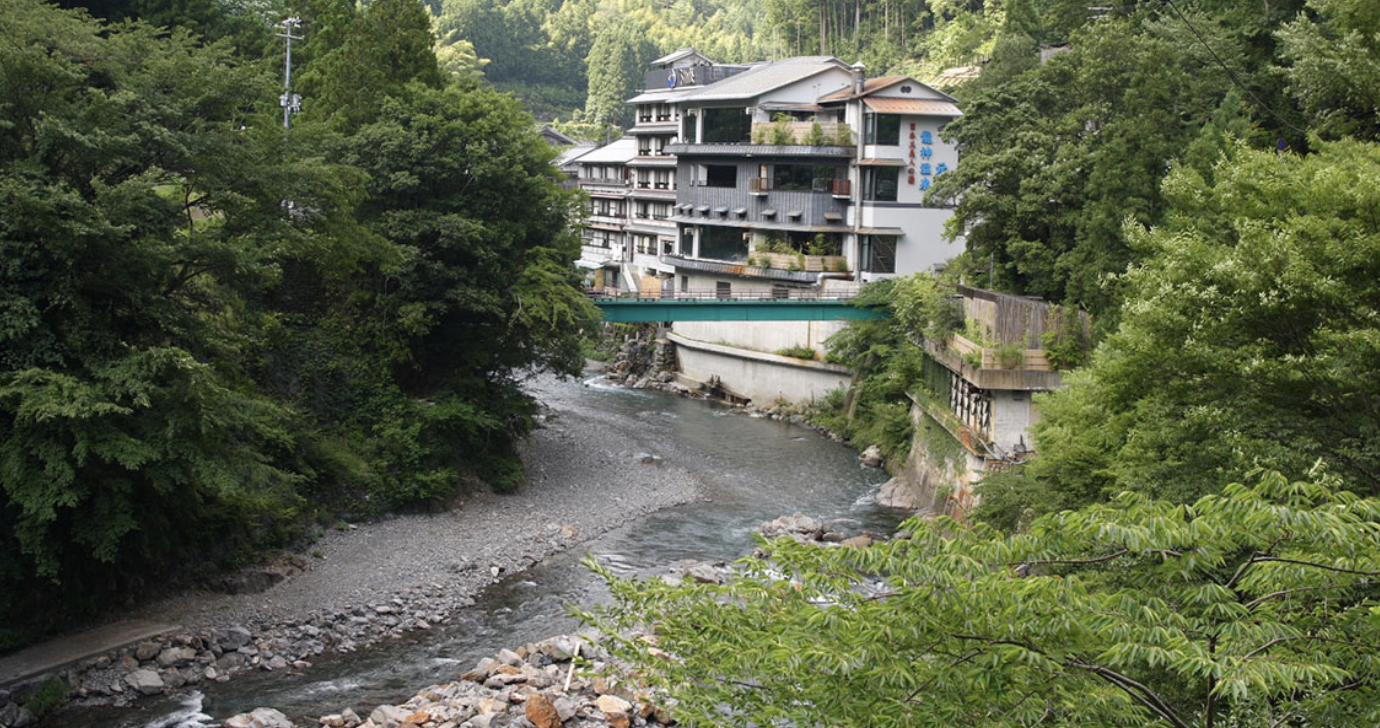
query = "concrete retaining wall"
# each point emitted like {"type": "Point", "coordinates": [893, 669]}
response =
{"type": "Point", "coordinates": [760, 376]}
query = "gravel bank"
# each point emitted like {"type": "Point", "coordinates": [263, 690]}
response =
{"type": "Point", "coordinates": [376, 581]}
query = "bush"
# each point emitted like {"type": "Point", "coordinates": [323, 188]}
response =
{"type": "Point", "coordinates": [50, 695]}
{"type": "Point", "coordinates": [799, 352]}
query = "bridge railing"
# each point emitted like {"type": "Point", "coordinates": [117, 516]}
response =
{"type": "Point", "coordinates": [793, 294]}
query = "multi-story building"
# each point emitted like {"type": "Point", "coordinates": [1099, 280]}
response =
{"type": "Point", "coordinates": [606, 178]}
{"type": "Point", "coordinates": [779, 179]}
{"type": "Point", "coordinates": [742, 170]}
{"type": "Point", "coordinates": [657, 125]}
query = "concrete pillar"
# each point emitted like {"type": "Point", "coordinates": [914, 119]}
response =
{"type": "Point", "coordinates": [699, 126]}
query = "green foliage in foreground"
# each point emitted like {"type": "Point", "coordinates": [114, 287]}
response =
{"type": "Point", "coordinates": [1258, 606]}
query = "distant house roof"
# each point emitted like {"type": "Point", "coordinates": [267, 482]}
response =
{"type": "Point", "coordinates": [572, 154]}
{"type": "Point", "coordinates": [954, 77]}
{"type": "Point", "coordinates": [763, 78]}
{"type": "Point", "coordinates": [553, 137]}
{"type": "Point", "coordinates": [679, 55]}
{"type": "Point", "coordinates": [915, 107]}
{"type": "Point", "coordinates": [618, 152]}
{"type": "Point", "coordinates": [872, 86]}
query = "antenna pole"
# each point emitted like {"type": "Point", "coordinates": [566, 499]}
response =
{"type": "Point", "coordinates": [291, 102]}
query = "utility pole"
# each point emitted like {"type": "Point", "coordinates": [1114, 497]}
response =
{"type": "Point", "coordinates": [291, 102]}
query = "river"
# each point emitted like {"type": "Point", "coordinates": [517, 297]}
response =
{"type": "Point", "coordinates": [750, 470]}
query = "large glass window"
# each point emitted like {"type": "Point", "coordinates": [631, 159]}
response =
{"type": "Point", "coordinates": [720, 175]}
{"type": "Point", "coordinates": [800, 177]}
{"type": "Point", "coordinates": [723, 243]}
{"type": "Point", "coordinates": [879, 184]}
{"type": "Point", "coordinates": [730, 126]}
{"type": "Point", "coordinates": [883, 129]}
{"type": "Point", "coordinates": [879, 253]}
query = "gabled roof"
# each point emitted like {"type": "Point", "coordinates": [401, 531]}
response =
{"type": "Point", "coordinates": [674, 56]}
{"type": "Point", "coordinates": [554, 137]}
{"type": "Point", "coordinates": [875, 85]}
{"type": "Point", "coordinates": [764, 78]}
{"type": "Point", "coordinates": [618, 152]}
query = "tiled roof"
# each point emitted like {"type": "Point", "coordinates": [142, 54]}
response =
{"type": "Point", "coordinates": [917, 107]}
{"type": "Point", "coordinates": [614, 153]}
{"type": "Point", "coordinates": [764, 78]}
{"type": "Point", "coordinates": [570, 154]}
{"type": "Point", "coordinates": [873, 85]}
{"type": "Point", "coordinates": [675, 56]}
{"type": "Point", "coordinates": [869, 85]}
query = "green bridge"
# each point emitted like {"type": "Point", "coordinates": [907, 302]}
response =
{"type": "Point", "coordinates": [689, 307]}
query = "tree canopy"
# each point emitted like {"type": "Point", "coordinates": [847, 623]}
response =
{"type": "Point", "coordinates": [1256, 606]}
{"type": "Point", "coordinates": [210, 335]}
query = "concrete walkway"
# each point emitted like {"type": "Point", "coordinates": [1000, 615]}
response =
{"type": "Point", "coordinates": [47, 656]}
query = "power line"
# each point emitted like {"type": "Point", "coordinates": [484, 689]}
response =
{"type": "Point", "coordinates": [1230, 73]}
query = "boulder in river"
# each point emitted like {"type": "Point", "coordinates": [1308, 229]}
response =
{"type": "Point", "coordinates": [872, 457]}
{"type": "Point", "coordinates": [146, 681]}
{"type": "Point", "coordinates": [259, 718]}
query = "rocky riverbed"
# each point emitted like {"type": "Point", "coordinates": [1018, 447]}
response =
{"type": "Point", "coordinates": [363, 583]}
{"type": "Point", "coordinates": [567, 681]}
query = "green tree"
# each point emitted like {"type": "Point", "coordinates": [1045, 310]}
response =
{"type": "Point", "coordinates": [1057, 157]}
{"type": "Point", "coordinates": [1333, 66]}
{"type": "Point", "coordinates": [1249, 338]}
{"type": "Point", "coordinates": [1254, 607]}
{"type": "Point", "coordinates": [142, 208]}
{"type": "Point", "coordinates": [617, 63]}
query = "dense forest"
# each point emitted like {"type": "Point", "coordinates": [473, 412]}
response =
{"type": "Point", "coordinates": [217, 334]}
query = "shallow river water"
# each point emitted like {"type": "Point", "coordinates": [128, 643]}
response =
{"type": "Point", "coordinates": [751, 470]}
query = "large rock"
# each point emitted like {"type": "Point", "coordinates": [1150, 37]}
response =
{"type": "Point", "coordinates": [705, 574]}
{"type": "Point", "coordinates": [233, 638]}
{"type": "Point", "coordinates": [899, 492]}
{"type": "Point", "coordinates": [14, 715]}
{"type": "Point", "coordinates": [541, 712]}
{"type": "Point", "coordinates": [388, 716]}
{"type": "Point", "coordinates": [176, 657]}
{"type": "Point", "coordinates": [798, 525]}
{"type": "Point", "coordinates": [259, 718]}
{"type": "Point", "coordinates": [146, 681]}
{"type": "Point", "coordinates": [872, 457]}
{"type": "Point", "coordinates": [613, 704]}
{"type": "Point", "coordinates": [146, 650]}
{"type": "Point", "coordinates": [491, 720]}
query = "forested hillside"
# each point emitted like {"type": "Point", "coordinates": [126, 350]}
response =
{"type": "Point", "coordinates": [216, 334]}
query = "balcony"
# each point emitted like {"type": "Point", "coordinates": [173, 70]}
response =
{"type": "Point", "coordinates": [840, 188]}
{"type": "Point", "coordinates": [799, 133]}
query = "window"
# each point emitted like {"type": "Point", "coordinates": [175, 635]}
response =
{"type": "Point", "coordinates": [800, 177]}
{"type": "Point", "coordinates": [882, 129]}
{"type": "Point", "coordinates": [723, 289]}
{"type": "Point", "coordinates": [729, 126]}
{"type": "Point", "coordinates": [879, 253]}
{"type": "Point", "coordinates": [879, 184]}
{"type": "Point", "coordinates": [720, 175]}
{"type": "Point", "coordinates": [723, 243]}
